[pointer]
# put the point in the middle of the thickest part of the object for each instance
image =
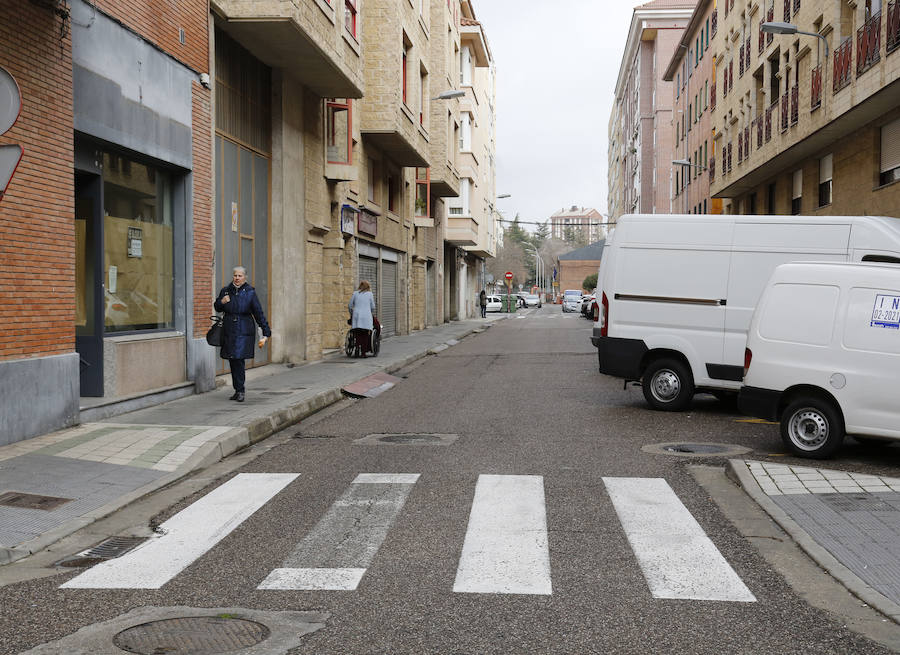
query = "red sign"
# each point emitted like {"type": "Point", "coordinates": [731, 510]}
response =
{"type": "Point", "coordinates": [508, 275]}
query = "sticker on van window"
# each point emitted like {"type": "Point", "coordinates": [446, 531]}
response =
{"type": "Point", "coordinates": [886, 312]}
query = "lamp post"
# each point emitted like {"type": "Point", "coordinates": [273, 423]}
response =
{"type": "Point", "coordinates": [449, 95]}
{"type": "Point", "coordinates": [685, 162]}
{"type": "Point", "coordinates": [539, 269]}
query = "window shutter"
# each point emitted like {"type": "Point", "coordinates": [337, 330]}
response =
{"type": "Point", "coordinates": [798, 184]}
{"type": "Point", "coordinates": [825, 168]}
{"type": "Point", "coordinates": [890, 146]}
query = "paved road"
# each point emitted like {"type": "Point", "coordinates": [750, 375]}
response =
{"type": "Point", "coordinates": [533, 523]}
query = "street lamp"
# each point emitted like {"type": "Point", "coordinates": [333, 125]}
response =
{"type": "Point", "coordinates": [790, 28]}
{"type": "Point", "coordinates": [685, 162]}
{"type": "Point", "coordinates": [540, 270]}
{"type": "Point", "coordinates": [504, 195]}
{"type": "Point", "coordinates": [449, 95]}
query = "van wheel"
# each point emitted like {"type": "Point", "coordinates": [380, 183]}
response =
{"type": "Point", "coordinates": [812, 427]}
{"type": "Point", "coordinates": [668, 385]}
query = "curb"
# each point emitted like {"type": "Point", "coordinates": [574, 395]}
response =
{"type": "Point", "coordinates": [737, 472]}
{"type": "Point", "coordinates": [208, 454]}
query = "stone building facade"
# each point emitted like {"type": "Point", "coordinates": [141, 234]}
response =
{"type": "Point", "coordinates": [642, 151]}
{"type": "Point", "coordinates": [816, 119]}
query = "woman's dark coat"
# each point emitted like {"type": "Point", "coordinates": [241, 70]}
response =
{"type": "Point", "coordinates": [239, 325]}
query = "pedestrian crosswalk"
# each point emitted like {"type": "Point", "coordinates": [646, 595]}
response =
{"type": "Point", "coordinates": [506, 548]}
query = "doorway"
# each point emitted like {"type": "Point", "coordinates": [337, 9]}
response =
{"type": "Point", "coordinates": [89, 287]}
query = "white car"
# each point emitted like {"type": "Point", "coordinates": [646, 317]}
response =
{"type": "Point", "coordinates": [532, 300]}
{"type": "Point", "coordinates": [572, 300]}
{"type": "Point", "coordinates": [823, 353]}
{"type": "Point", "coordinates": [494, 304]}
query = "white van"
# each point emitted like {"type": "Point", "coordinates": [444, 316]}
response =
{"type": "Point", "coordinates": [677, 291]}
{"type": "Point", "coordinates": [823, 352]}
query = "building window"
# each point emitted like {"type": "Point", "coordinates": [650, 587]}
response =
{"type": "Point", "coordinates": [339, 130]}
{"type": "Point", "coordinates": [373, 182]}
{"type": "Point", "coordinates": [796, 192]}
{"type": "Point", "coordinates": [392, 192]}
{"type": "Point", "coordinates": [405, 65]}
{"type": "Point", "coordinates": [423, 87]}
{"type": "Point", "coordinates": [465, 66]}
{"type": "Point", "coordinates": [890, 153]}
{"type": "Point", "coordinates": [138, 242]}
{"type": "Point", "coordinates": [423, 192]}
{"type": "Point", "coordinates": [825, 165]}
{"type": "Point", "coordinates": [350, 17]}
{"type": "Point", "coordinates": [460, 206]}
{"type": "Point", "coordinates": [465, 132]}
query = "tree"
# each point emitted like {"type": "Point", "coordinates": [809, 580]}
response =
{"type": "Point", "coordinates": [590, 282]}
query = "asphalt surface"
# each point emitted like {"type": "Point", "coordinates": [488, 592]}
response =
{"type": "Point", "coordinates": [525, 398]}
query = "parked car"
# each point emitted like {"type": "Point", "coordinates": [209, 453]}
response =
{"type": "Point", "coordinates": [823, 353]}
{"type": "Point", "coordinates": [586, 304]}
{"type": "Point", "coordinates": [532, 300]}
{"type": "Point", "coordinates": [677, 292]}
{"type": "Point", "coordinates": [571, 300]}
{"type": "Point", "coordinates": [494, 304]}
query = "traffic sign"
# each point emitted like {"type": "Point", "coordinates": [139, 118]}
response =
{"type": "Point", "coordinates": [10, 105]}
{"type": "Point", "coordinates": [509, 275]}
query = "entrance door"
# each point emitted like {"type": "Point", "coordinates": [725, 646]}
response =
{"type": "Point", "coordinates": [89, 287]}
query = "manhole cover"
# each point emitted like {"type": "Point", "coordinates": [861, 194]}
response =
{"type": "Point", "coordinates": [194, 635]}
{"type": "Point", "coordinates": [107, 549]}
{"type": "Point", "coordinates": [408, 439]}
{"type": "Point", "coordinates": [857, 503]}
{"type": "Point", "coordinates": [696, 449]}
{"type": "Point", "coordinates": [31, 501]}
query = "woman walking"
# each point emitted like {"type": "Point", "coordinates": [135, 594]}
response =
{"type": "Point", "coordinates": [362, 316]}
{"type": "Point", "coordinates": [242, 314]}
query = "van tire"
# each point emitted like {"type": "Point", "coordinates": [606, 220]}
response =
{"type": "Point", "coordinates": [812, 427]}
{"type": "Point", "coordinates": [668, 385]}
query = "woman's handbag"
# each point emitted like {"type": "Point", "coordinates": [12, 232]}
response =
{"type": "Point", "coordinates": [215, 335]}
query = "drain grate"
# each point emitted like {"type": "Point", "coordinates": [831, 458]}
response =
{"type": "Point", "coordinates": [193, 635]}
{"type": "Point", "coordinates": [31, 501]}
{"type": "Point", "coordinates": [857, 503]}
{"type": "Point", "coordinates": [696, 448]}
{"type": "Point", "coordinates": [408, 439]}
{"type": "Point", "coordinates": [106, 549]}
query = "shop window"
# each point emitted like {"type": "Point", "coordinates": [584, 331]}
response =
{"type": "Point", "coordinates": [339, 114]}
{"type": "Point", "coordinates": [825, 180]}
{"type": "Point", "coordinates": [138, 244]}
{"type": "Point", "coordinates": [423, 192]}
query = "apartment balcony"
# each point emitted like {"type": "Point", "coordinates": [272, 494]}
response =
{"type": "Point", "coordinates": [892, 33]}
{"type": "Point", "coordinates": [461, 230]}
{"type": "Point", "coordinates": [471, 34]}
{"type": "Point", "coordinates": [815, 95]}
{"type": "Point", "coordinates": [308, 45]}
{"type": "Point", "coordinates": [868, 44]}
{"type": "Point", "coordinates": [483, 249]}
{"type": "Point", "coordinates": [444, 181]}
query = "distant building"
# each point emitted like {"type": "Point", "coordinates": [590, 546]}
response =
{"type": "Point", "coordinates": [576, 265]}
{"type": "Point", "coordinates": [577, 224]}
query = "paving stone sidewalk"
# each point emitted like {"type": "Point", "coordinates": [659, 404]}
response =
{"type": "Point", "coordinates": [55, 484]}
{"type": "Point", "coordinates": [848, 522]}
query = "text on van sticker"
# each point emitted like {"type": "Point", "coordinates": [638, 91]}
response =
{"type": "Point", "coordinates": [886, 313]}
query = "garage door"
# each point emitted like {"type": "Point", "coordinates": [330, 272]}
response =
{"type": "Point", "coordinates": [388, 309]}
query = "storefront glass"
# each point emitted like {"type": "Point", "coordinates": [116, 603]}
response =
{"type": "Point", "coordinates": [138, 244]}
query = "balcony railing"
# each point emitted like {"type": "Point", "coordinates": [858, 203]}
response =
{"type": "Point", "coordinates": [795, 104]}
{"type": "Point", "coordinates": [796, 6]}
{"type": "Point", "coordinates": [714, 21]}
{"type": "Point", "coordinates": [740, 157]}
{"type": "Point", "coordinates": [787, 11]}
{"type": "Point", "coordinates": [724, 160]}
{"type": "Point", "coordinates": [730, 146]}
{"type": "Point", "coordinates": [712, 169]}
{"type": "Point", "coordinates": [868, 44]}
{"type": "Point", "coordinates": [747, 142]}
{"type": "Point", "coordinates": [747, 52]}
{"type": "Point", "coordinates": [762, 39]}
{"type": "Point", "coordinates": [756, 125]}
{"type": "Point", "coordinates": [785, 99]}
{"type": "Point", "coordinates": [815, 94]}
{"type": "Point", "coordinates": [769, 111]}
{"type": "Point", "coordinates": [892, 37]}
{"type": "Point", "coordinates": [842, 56]}
{"type": "Point", "coordinates": [741, 62]}
{"type": "Point", "coordinates": [770, 16]}
{"type": "Point", "coordinates": [712, 95]}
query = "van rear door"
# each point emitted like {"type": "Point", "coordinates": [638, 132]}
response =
{"type": "Point", "coordinates": [758, 248]}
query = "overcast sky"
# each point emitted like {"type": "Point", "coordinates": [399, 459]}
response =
{"type": "Point", "coordinates": [557, 64]}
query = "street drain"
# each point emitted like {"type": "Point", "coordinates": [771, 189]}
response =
{"type": "Point", "coordinates": [193, 635]}
{"type": "Point", "coordinates": [31, 501]}
{"type": "Point", "coordinates": [106, 549]}
{"type": "Point", "coordinates": [408, 439]}
{"type": "Point", "coordinates": [696, 449]}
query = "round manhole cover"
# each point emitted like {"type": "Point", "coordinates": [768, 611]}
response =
{"type": "Point", "coordinates": [192, 635]}
{"type": "Point", "coordinates": [697, 448]}
{"type": "Point", "coordinates": [410, 438]}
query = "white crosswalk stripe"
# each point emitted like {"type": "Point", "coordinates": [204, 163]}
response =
{"type": "Point", "coordinates": [506, 549]}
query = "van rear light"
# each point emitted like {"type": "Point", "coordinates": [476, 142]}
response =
{"type": "Point", "coordinates": [604, 315]}
{"type": "Point", "coordinates": [748, 356]}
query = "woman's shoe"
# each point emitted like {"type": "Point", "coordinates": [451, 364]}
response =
{"type": "Point", "coordinates": [235, 395]}
{"type": "Point", "coordinates": [239, 396]}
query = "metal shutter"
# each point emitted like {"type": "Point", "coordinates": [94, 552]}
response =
{"type": "Point", "coordinates": [368, 270]}
{"type": "Point", "coordinates": [387, 312]}
{"type": "Point", "coordinates": [430, 294]}
{"type": "Point", "coordinates": [890, 146]}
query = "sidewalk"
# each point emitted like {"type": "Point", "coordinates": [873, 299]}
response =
{"type": "Point", "coordinates": [849, 523]}
{"type": "Point", "coordinates": [57, 483]}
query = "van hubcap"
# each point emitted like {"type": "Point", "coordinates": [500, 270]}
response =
{"type": "Point", "coordinates": [808, 429]}
{"type": "Point", "coordinates": [665, 386]}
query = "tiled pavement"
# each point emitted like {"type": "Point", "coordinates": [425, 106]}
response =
{"type": "Point", "coordinates": [848, 522]}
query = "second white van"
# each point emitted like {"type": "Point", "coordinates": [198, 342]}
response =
{"type": "Point", "coordinates": [676, 292]}
{"type": "Point", "coordinates": [823, 352]}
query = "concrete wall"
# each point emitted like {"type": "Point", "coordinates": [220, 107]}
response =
{"type": "Point", "coordinates": [37, 396]}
